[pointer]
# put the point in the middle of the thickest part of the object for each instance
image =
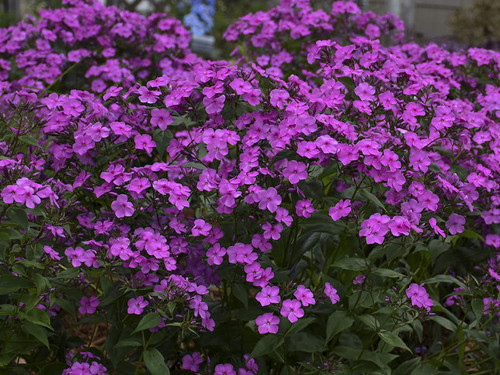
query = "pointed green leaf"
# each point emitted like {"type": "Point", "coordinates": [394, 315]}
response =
{"type": "Point", "coordinates": [155, 362]}
{"type": "Point", "coordinates": [38, 332]}
{"type": "Point", "coordinates": [266, 345]}
{"type": "Point", "coordinates": [149, 320]}
{"type": "Point", "coordinates": [393, 339]}
{"type": "Point", "coordinates": [337, 322]}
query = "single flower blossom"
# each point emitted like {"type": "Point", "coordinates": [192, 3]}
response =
{"type": "Point", "coordinates": [88, 305]}
{"type": "Point", "coordinates": [122, 207]}
{"type": "Point", "coordinates": [331, 293]}
{"type": "Point", "coordinates": [292, 310]}
{"type": "Point", "coordinates": [267, 323]}
{"type": "Point", "coordinates": [340, 210]}
{"type": "Point", "coordinates": [136, 305]}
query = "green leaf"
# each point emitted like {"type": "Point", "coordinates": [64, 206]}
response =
{"type": "Point", "coordinates": [10, 234]}
{"type": "Point", "coordinates": [385, 272]}
{"type": "Point", "coordinates": [5, 359]}
{"type": "Point", "coordinates": [312, 189]}
{"type": "Point", "coordinates": [437, 247]}
{"type": "Point", "coordinates": [28, 140]}
{"type": "Point", "coordinates": [370, 321]}
{"type": "Point", "coordinates": [128, 343]}
{"type": "Point", "coordinates": [18, 216]}
{"type": "Point", "coordinates": [305, 342]}
{"type": "Point", "coordinates": [38, 332]}
{"type": "Point", "coordinates": [6, 309]}
{"type": "Point", "coordinates": [424, 369]}
{"type": "Point", "coordinates": [38, 317]}
{"type": "Point", "coordinates": [352, 264]}
{"type": "Point", "coordinates": [299, 326]}
{"type": "Point", "coordinates": [10, 284]}
{"type": "Point", "coordinates": [149, 320]}
{"type": "Point", "coordinates": [380, 359]}
{"type": "Point", "coordinates": [348, 82]}
{"type": "Point", "coordinates": [393, 339]}
{"type": "Point", "coordinates": [478, 308]}
{"type": "Point", "coordinates": [266, 345]}
{"type": "Point", "coordinates": [194, 165]}
{"type": "Point", "coordinates": [162, 139]}
{"type": "Point", "coordinates": [468, 233]}
{"type": "Point", "coordinates": [445, 279]}
{"type": "Point", "coordinates": [407, 366]}
{"type": "Point", "coordinates": [53, 368]}
{"type": "Point", "coordinates": [30, 302]}
{"type": "Point", "coordinates": [347, 352]}
{"type": "Point", "coordinates": [241, 293]}
{"type": "Point", "coordinates": [337, 322]}
{"type": "Point", "coordinates": [418, 328]}
{"type": "Point", "coordinates": [70, 273]}
{"type": "Point", "coordinates": [66, 305]}
{"type": "Point", "coordinates": [155, 362]}
{"type": "Point", "coordinates": [41, 283]}
{"type": "Point", "coordinates": [443, 322]}
{"type": "Point", "coordinates": [372, 198]}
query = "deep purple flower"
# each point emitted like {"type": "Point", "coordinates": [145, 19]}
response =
{"type": "Point", "coordinates": [88, 305]}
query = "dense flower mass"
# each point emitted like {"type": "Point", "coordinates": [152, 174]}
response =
{"type": "Point", "coordinates": [283, 211]}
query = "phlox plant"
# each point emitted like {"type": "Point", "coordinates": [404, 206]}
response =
{"type": "Point", "coordinates": [325, 202]}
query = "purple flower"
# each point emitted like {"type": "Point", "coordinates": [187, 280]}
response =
{"type": "Point", "coordinates": [268, 295]}
{"type": "Point", "coordinates": [292, 310]}
{"type": "Point", "coordinates": [136, 305]}
{"type": "Point", "coordinates": [435, 227]}
{"type": "Point", "coordinates": [201, 228]}
{"type": "Point", "coordinates": [144, 142]}
{"type": "Point", "coordinates": [278, 98]}
{"type": "Point", "coordinates": [399, 225]}
{"type": "Point", "coordinates": [267, 323]}
{"type": "Point", "coordinates": [304, 295]}
{"type": "Point", "coordinates": [304, 208]}
{"type": "Point", "coordinates": [269, 199]}
{"type": "Point", "coordinates": [365, 92]}
{"type": "Point", "coordinates": [51, 252]}
{"type": "Point", "coordinates": [340, 210]}
{"type": "Point", "coordinates": [224, 369]}
{"type": "Point", "coordinates": [214, 105]}
{"type": "Point", "coordinates": [161, 118]}
{"type": "Point", "coordinates": [240, 86]}
{"type": "Point", "coordinates": [88, 305]}
{"type": "Point", "coordinates": [78, 368]}
{"type": "Point", "coordinates": [148, 96]}
{"type": "Point", "coordinates": [419, 296]}
{"type": "Point", "coordinates": [455, 223]}
{"type": "Point", "coordinates": [122, 207]}
{"type": "Point", "coordinates": [375, 228]}
{"type": "Point", "coordinates": [492, 240]}
{"type": "Point", "coordinates": [192, 362]}
{"type": "Point", "coordinates": [295, 171]}
{"type": "Point", "coordinates": [331, 293]}
{"type": "Point", "coordinates": [358, 280]}
{"type": "Point", "coordinates": [138, 185]}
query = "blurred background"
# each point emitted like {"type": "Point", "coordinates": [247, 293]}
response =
{"type": "Point", "coordinates": [456, 23]}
